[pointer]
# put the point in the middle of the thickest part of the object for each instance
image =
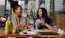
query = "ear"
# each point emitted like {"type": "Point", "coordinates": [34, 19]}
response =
{"type": "Point", "coordinates": [15, 10]}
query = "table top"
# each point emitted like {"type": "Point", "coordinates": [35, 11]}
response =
{"type": "Point", "coordinates": [30, 35]}
{"type": "Point", "coordinates": [18, 35]}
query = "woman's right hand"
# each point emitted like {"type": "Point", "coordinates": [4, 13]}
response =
{"type": "Point", "coordinates": [21, 24]}
{"type": "Point", "coordinates": [37, 23]}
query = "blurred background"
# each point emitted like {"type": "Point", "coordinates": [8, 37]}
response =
{"type": "Point", "coordinates": [55, 9]}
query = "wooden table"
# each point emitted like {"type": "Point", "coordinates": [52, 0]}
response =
{"type": "Point", "coordinates": [52, 36]}
{"type": "Point", "coordinates": [18, 35]}
{"type": "Point", "coordinates": [34, 35]}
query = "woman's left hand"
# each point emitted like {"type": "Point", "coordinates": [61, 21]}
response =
{"type": "Point", "coordinates": [21, 24]}
{"type": "Point", "coordinates": [42, 21]}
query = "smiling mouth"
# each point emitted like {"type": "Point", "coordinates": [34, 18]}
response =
{"type": "Point", "coordinates": [40, 14]}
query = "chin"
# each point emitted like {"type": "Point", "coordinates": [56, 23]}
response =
{"type": "Point", "coordinates": [39, 16]}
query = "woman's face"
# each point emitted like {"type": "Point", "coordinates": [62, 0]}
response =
{"type": "Point", "coordinates": [40, 12]}
{"type": "Point", "coordinates": [18, 10]}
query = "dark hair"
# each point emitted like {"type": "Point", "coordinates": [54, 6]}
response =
{"type": "Point", "coordinates": [15, 7]}
{"type": "Point", "coordinates": [44, 13]}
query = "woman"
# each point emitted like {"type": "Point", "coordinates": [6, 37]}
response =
{"type": "Point", "coordinates": [42, 21]}
{"type": "Point", "coordinates": [17, 19]}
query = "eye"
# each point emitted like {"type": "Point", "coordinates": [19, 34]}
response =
{"type": "Point", "coordinates": [20, 9]}
{"type": "Point", "coordinates": [40, 11]}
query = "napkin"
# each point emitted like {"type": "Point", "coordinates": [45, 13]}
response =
{"type": "Point", "coordinates": [28, 32]}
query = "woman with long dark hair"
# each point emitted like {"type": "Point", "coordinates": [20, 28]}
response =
{"type": "Point", "coordinates": [42, 20]}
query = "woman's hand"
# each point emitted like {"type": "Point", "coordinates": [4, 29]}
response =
{"type": "Point", "coordinates": [28, 25]}
{"type": "Point", "coordinates": [47, 25]}
{"type": "Point", "coordinates": [21, 24]}
{"type": "Point", "coordinates": [42, 22]}
{"type": "Point", "coordinates": [37, 23]}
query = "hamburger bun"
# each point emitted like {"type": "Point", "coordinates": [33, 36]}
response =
{"type": "Point", "coordinates": [38, 21]}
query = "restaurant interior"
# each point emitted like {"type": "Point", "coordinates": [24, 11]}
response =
{"type": "Point", "coordinates": [10, 27]}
